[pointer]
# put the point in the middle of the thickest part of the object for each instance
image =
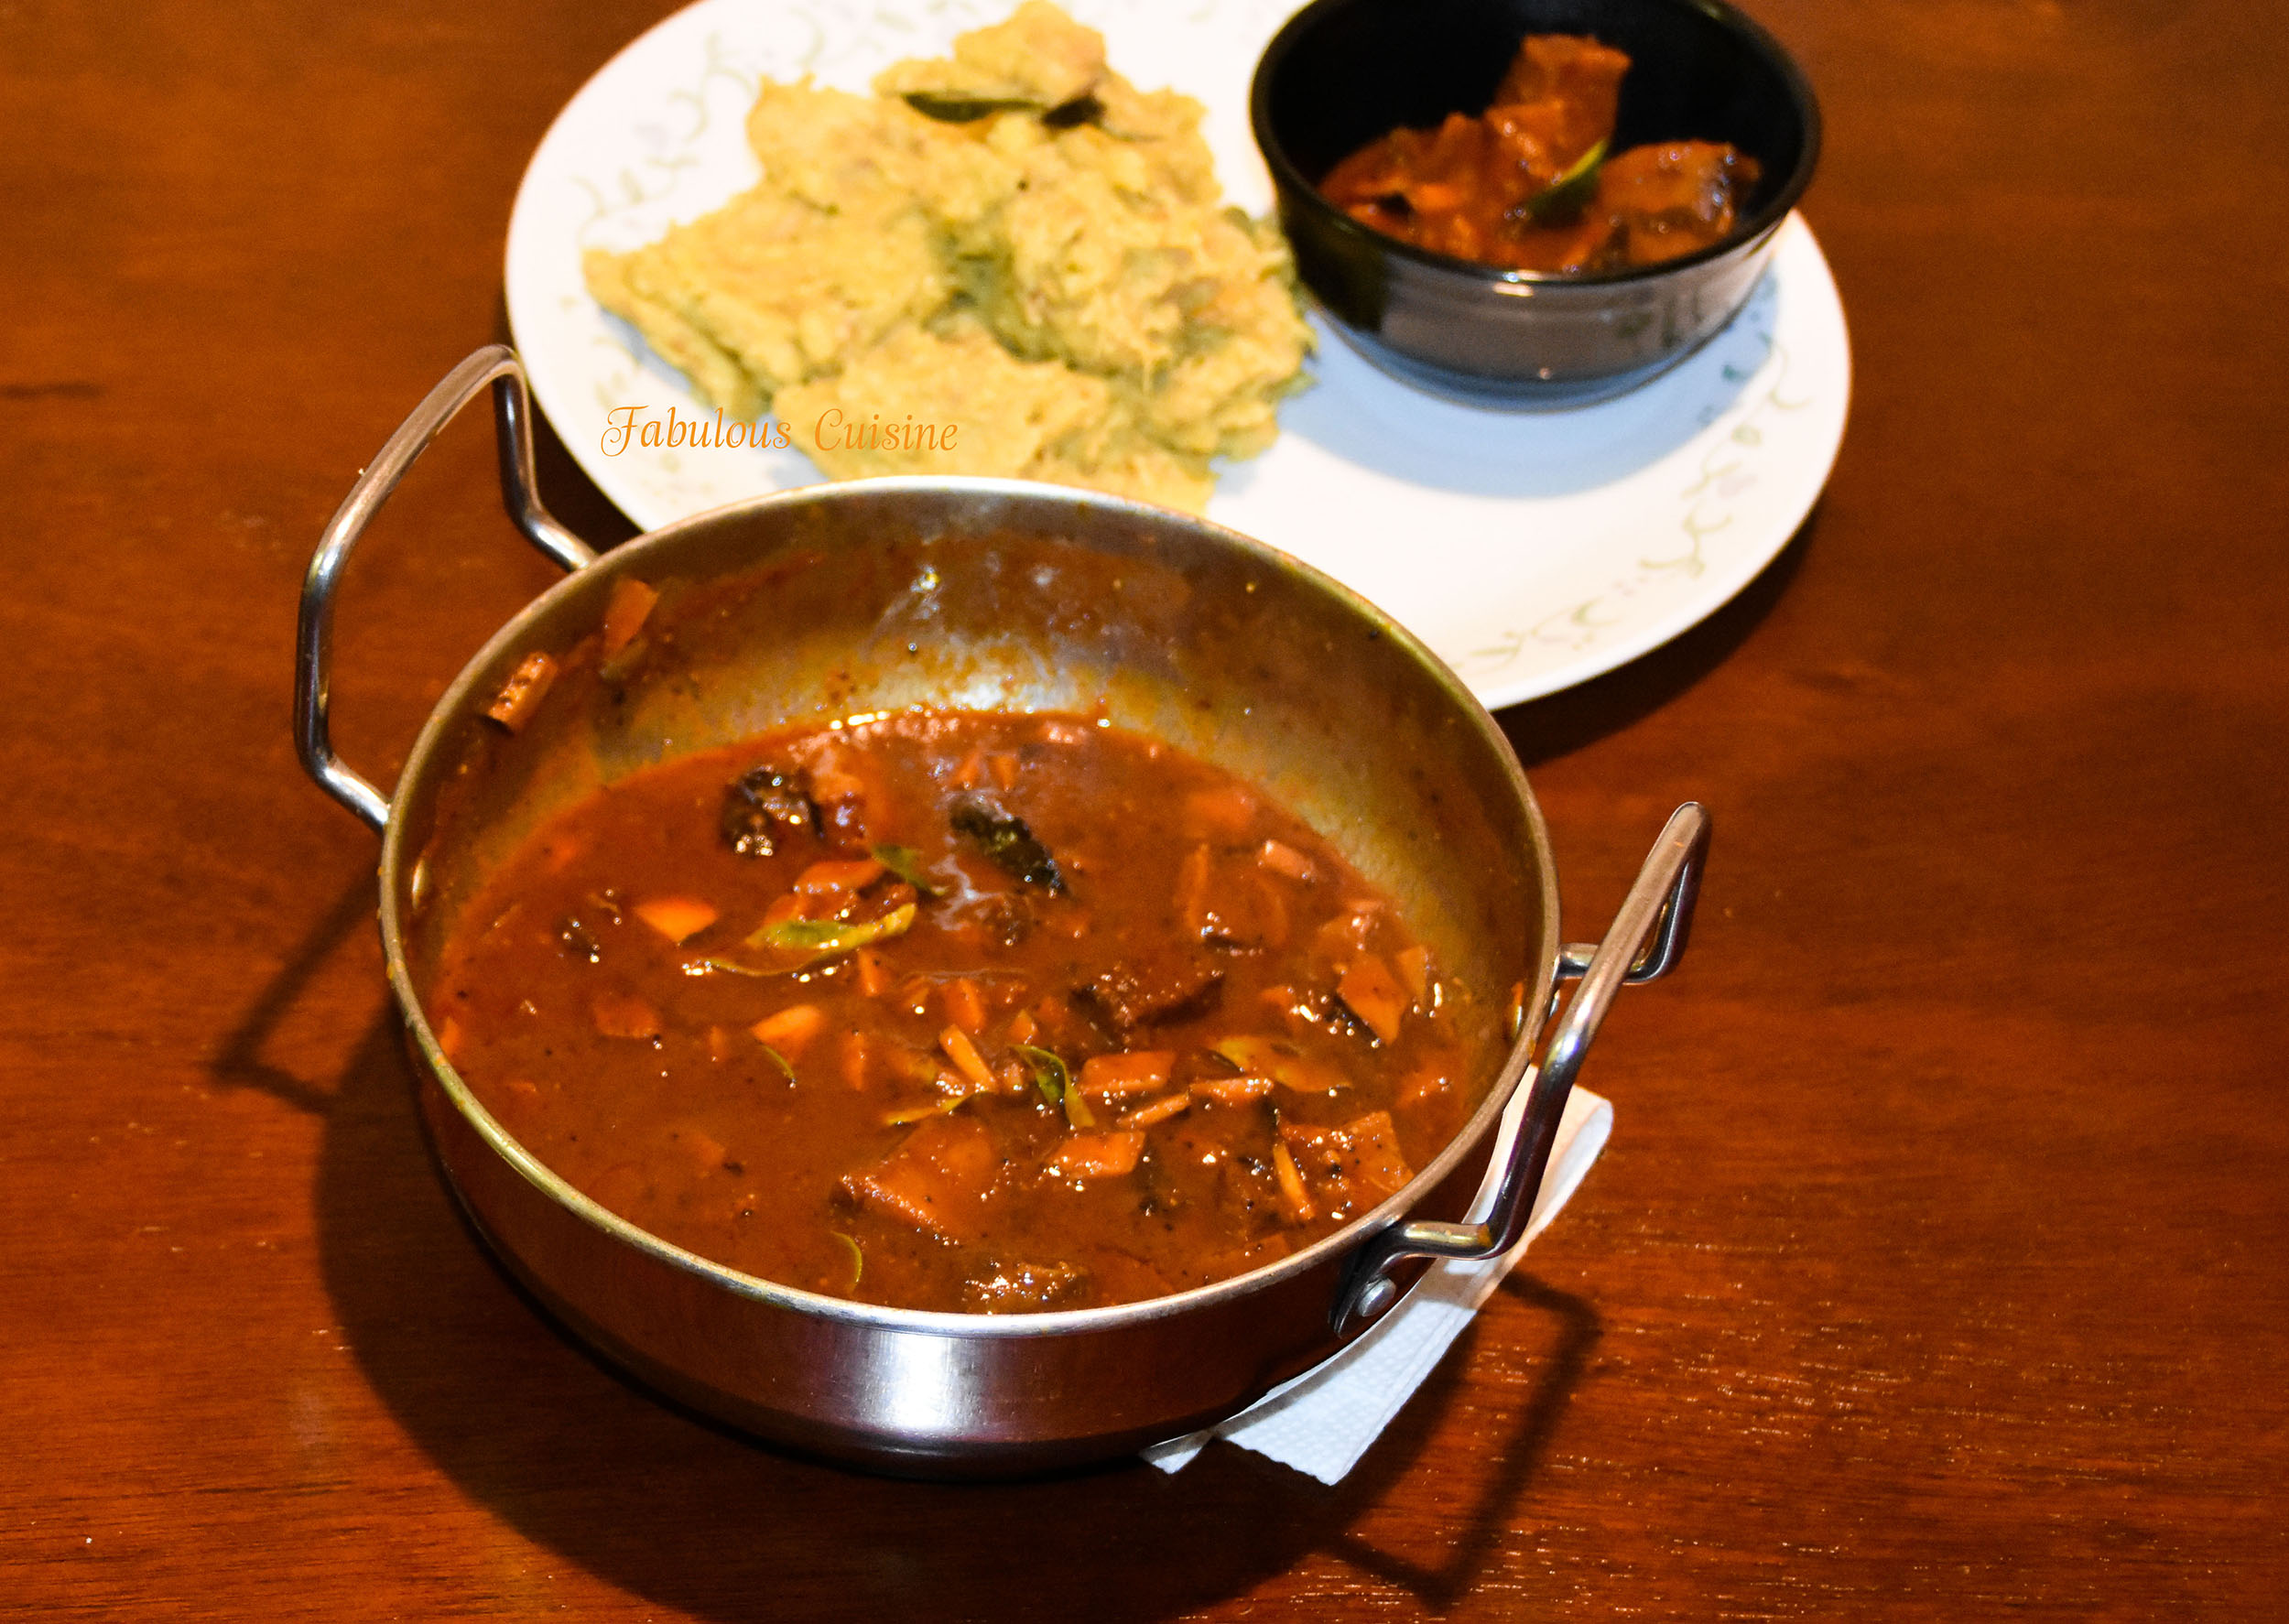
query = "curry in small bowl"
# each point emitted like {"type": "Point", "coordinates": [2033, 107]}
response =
{"type": "Point", "coordinates": [1531, 203]}
{"type": "Point", "coordinates": [1536, 183]}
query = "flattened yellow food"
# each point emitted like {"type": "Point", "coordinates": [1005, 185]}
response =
{"type": "Point", "coordinates": [1014, 244]}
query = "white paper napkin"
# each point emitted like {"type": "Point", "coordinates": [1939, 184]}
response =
{"type": "Point", "coordinates": [1322, 1422]}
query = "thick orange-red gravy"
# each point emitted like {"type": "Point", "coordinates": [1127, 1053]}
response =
{"type": "Point", "coordinates": [954, 1010]}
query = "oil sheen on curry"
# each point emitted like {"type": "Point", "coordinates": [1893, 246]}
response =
{"type": "Point", "coordinates": [955, 1011]}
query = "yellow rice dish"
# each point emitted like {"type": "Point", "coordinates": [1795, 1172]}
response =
{"type": "Point", "coordinates": [1015, 243]}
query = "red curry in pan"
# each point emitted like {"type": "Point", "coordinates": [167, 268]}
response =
{"type": "Point", "coordinates": [953, 1011]}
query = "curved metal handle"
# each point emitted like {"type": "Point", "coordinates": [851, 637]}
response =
{"type": "Point", "coordinates": [512, 410]}
{"type": "Point", "coordinates": [1647, 939]}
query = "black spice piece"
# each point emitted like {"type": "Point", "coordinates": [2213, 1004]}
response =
{"type": "Point", "coordinates": [764, 806]}
{"type": "Point", "coordinates": [1008, 844]}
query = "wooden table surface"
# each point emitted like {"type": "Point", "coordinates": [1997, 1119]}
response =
{"type": "Point", "coordinates": [1939, 1267]}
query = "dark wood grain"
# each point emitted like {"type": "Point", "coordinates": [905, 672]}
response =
{"type": "Point", "coordinates": [1939, 1267]}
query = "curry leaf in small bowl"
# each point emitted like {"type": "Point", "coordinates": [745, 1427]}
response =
{"type": "Point", "coordinates": [1562, 200]}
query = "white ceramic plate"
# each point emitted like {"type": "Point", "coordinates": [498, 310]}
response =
{"type": "Point", "coordinates": [1530, 550]}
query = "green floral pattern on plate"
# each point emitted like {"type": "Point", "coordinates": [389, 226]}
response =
{"type": "Point", "coordinates": [1531, 551]}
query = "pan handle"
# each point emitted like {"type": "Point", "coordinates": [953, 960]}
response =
{"type": "Point", "coordinates": [1646, 940]}
{"type": "Point", "coordinates": [512, 411]}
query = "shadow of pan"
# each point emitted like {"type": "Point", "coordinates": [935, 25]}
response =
{"type": "Point", "coordinates": [672, 1508]}
{"type": "Point", "coordinates": [1571, 1330]}
{"type": "Point", "coordinates": [687, 1514]}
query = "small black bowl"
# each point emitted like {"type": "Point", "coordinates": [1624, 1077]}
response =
{"type": "Point", "coordinates": [1343, 72]}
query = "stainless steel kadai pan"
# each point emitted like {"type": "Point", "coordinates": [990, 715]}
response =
{"type": "Point", "coordinates": [819, 603]}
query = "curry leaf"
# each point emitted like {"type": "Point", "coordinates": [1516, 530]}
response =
{"type": "Point", "coordinates": [821, 938]}
{"type": "Point", "coordinates": [906, 863]}
{"type": "Point", "coordinates": [1055, 1080]}
{"type": "Point", "coordinates": [963, 109]}
{"type": "Point", "coordinates": [915, 1113]}
{"type": "Point", "coordinates": [1049, 1075]}
{"type": "Point", "coordinates": [1562, 200]}
{"type": "Point", "coordinates": [858, 1258]}
{"type": "Point", "coordinates": [794, 943]}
